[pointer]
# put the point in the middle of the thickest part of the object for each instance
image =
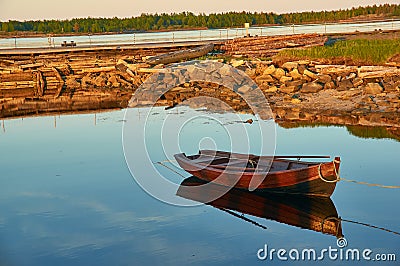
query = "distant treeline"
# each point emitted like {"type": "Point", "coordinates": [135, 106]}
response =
{"type": "Point", "coordinates": [183, 20]}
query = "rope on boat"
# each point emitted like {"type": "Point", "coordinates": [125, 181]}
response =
{"type": "Point", "coordinates": [338, 177]}
{"type": "Point", "coordinates": [372, 226]}
{"type": "Point", "coordinates": [368, 184]}
{"type": "Point", "coordinates": [169, 168]}
{"type": "Point", "coordinates": [336, 173]}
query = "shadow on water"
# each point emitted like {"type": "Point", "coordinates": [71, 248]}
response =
{"type": "Point", "coordinates": [313, 213]}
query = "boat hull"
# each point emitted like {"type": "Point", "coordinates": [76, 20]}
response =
{"type": "Point", "coordinates": [316, 180]}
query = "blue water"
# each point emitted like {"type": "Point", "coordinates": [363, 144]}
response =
{"type": "Point", "coordinates": [67, 196]}
{"type": "Point", "coordinates": [196, 35]}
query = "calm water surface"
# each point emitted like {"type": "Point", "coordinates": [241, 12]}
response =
{"type": "Point", "coordinates": [67, 197]}
{"type": "Point", "coordinates": [197, 35]}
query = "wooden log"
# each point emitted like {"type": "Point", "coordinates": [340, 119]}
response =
{"type": "Point", "coordinates": [40, 83]}
{"type": "Point", "coordinates": [31, 66]}
{"type": "Point", "coordinates": [379, 74]}
{"type": "Point", "coordinates": [98, 69]}
{"type": "Point", "coordinates": [180, 55]}
{"type": "Point", "coordinates": [150, 70]}
{"type": "Point", "coordinates": [125, 67]}
{"type": "Point", "coordinates": [15, 84]}
{"type": "Point", "coordinates": [61, 82]}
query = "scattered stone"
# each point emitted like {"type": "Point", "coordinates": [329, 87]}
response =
{"type": "Point", "coordinates": [357, 82]}
{"type": "Point", "coordinates": [285, 79]}
{"type": "Point", "coordinates": [344, 85]}
{"type": "Point", "coordinates": [264, 78]}
{"type": "Point", "coordinates": [301, 68]}
{"type": "Point", "coordinates": [269, 70]}
{"type": "Point", "coordinates": [296, 101]}
{"type": "Point", "coordinates": [279, 72]}
{"type": "Point", "coordinates": [295, 74]}
{"type": "Point", "coordinates": [290, 65]}
{"type": "Point", "coordinates": [237, 63]}
{"type": "Point", "coordinates": [392, 86]}
{"type": "Point", "coordinates": [330, 86]}
{"type": "Point", "coordinates": [373, 88]}
{"type": "Point", "coordinates": [310, 74]}
{"type": "Point", "coordinates": [288, 89]}
{"type": "Point", "coordinates": [324, 78]}
{"type": "Point", "coordinates": [306, 79]}
{"type": "Point", "coordinates": [271, 89]}
{"type": "Point", "coordinates": [311, 87]}
{"type": "Point", "coordinates": [393, 97]}
{"type": "Point", "coordinates": [251, 72]}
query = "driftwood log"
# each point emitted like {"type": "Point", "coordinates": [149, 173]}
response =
{"type": "Point", "coordinates": [180, 55]}
{"type": "Point", "coordinates": [269, 46]}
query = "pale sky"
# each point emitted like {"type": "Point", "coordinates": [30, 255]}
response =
{"type": "Point", "coordinates": [67, 9]}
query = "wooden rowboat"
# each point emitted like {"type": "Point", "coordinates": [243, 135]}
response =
{"type": "Point", "coordinates": [278, 174]}
{"type": "Point", "coordinates": [313, 213]}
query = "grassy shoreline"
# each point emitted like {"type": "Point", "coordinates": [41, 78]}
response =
{"type": "Point", "coordinates": [372, 51]}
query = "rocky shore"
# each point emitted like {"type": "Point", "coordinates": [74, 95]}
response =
{"type": "Point", "coordinates": [296, 90]}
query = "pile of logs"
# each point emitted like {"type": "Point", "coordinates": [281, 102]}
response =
{"type": "Point", "coordinates": [270, 45]}
{"type": "Point", "coordinates": [31, 84]}
{"type": "Point", "coordinates": [55, 74]}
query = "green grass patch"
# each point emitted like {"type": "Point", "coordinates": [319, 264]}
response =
{"type": "Point", "coordinates": [370, 51]}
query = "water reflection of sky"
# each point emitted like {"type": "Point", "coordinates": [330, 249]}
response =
{"type": "Point", "coordinates": [67, 197]}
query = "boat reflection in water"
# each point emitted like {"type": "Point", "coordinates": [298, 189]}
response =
{"type": "Point", "coordinates": [314, 213]}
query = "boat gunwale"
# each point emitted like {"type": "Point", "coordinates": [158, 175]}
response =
{"type": "Point", "coordinates": [225, 170]}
